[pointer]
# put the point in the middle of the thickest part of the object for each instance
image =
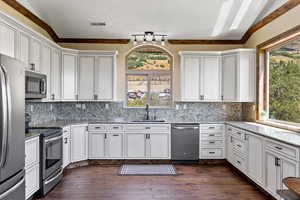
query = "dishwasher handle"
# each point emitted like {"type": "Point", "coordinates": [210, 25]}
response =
{"type": "Point", "coordinates": [185, 128]}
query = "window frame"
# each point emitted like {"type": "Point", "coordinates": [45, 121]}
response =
{"type": "Point", "coordinates": [262, 100]}
{"type": "Point", "coordinates": [148, 74]}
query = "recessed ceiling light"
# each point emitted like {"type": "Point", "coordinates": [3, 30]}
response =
{"type": "Point", "coordinates": [241, 14]}
{"type": "Point", "coordinates": [223, 15]}
{"type": "Point", "coordinates": [98, 24]}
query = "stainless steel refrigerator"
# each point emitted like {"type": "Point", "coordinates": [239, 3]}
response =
{"type": "Point", "coordinates": [12, 127]}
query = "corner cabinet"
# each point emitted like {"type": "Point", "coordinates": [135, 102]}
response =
{"type": "Point", "coordinates": [218, 75]}
{"type": "Point", "coordinates": [66, 146]}
{"type": "Point", "coordinates": [79, 143]}
{"type": "Point", "coordinates": [200, 76]}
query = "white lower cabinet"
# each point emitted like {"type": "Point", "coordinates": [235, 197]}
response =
{"type": "Point", "coordinates": [66, 146]}
{"type": "Point", "coordinates": [79, 143]}
{"type": "Point", "coordinates": [32, 166]}
{"type": "Point", "coordinates": [159, 145]}
{"type": "Point", "coordinates": [135, 145]}
{"type": "Point", "coordinates": [114, 145]}
{"type": "Point", "coordinates": [96, 145]}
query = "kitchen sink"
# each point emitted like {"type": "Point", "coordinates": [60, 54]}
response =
{"type": "Point", "coordinates": [149, 121]}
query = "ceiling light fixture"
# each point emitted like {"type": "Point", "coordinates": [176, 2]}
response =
{"type": "Point", "coordinates": [241, 14]}
{"type": "Point", "coordinates": [149, 37]}
{"type": "Point", "coordinates": [223, 16]}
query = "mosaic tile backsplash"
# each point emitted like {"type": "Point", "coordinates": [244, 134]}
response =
{"type": "Point", "coordinates": [112, 111]}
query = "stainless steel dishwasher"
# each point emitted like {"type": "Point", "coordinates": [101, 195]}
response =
{"type": "Point", "coordinates": [185, 142]}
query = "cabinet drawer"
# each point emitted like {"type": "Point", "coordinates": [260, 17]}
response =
{"type": "Point", "coordinates": [97, 127]}
{"type": "Point", "coordinates": [211, 143]}
{"type": "Point", "coordinates": [212, 136]}
{"type": "Point", "coordinates": [211, 153]}
{"type": "Point", "coordinates": [284, 149]}
{"type": "Point", "coordinates": [148, 127]}
{"type": "Point", "coordinates": [239, 146]}
{"type": "Point", "coordinates": [115, 127]}
{"type": "Point", "coordinates": [239, 162]}
{"type": "Point", "coordinates": [211, 127]}
{"type": "Point", "coordinates": [237, 133]}
{"type": "Point", "coordinates": [32, 180]}
{"type": "Point", "coordinates": [32, 152]}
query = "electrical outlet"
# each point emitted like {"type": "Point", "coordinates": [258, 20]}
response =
{"type": "Point", "coordinates": [31, 108]}
{"type": "Point", "coordinates": [177, 107]}
{"type": "Point", "coordinates": [106, 106]}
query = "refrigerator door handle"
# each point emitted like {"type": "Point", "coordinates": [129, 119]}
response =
{"type": "Point", "coordinates": [8, 192]}
{"type": "Point", "coordinates": [5, 118]}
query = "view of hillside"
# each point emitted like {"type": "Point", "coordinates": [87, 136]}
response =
{"type": "Point", "coordinates": [284, 81]}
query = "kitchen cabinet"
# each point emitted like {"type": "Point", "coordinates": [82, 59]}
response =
{"type": "Point", "coordinates": [24, 43]}
{"type": "Point", "coordinates": [105, 77]}
{"type": "Point", "coordinates": [238, 75]}
{"type": "Point", "coordinates": [159, 145]}
{"type": "Point", "coordinates": [86, 77]}
{"type": "Point", "coordinates": [8, 40]}
{"type": "Point", "coordinates": [35, 55]}
{"type": "Point", "coordinates": [66, 146]}
{"type": "Point", "coordinates": [32, 166]}
{"type": "Point", "coordinates": [135, 145]}
{"type": "Point", "coordinates": [69, 72]}
{"type": "Point", "coordinates": [56, 75]}
{"type": "Point", "coordinates": [115, 145]}
{"type": "Point", "coordinates": [255, 158]}
{"type": "Point", "coordinates": [229, 144]}
{"type": "Point", "coordinates": [45, 67]}
{"type": "Point", "coordinates": [97, 145]}
{"type": "Point", "coordinates": [79, 143]}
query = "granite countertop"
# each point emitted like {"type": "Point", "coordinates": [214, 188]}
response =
{"type": "Point", "coordinates": [32, 134]}
{"type": "Point", "coordinates": [281, 135]}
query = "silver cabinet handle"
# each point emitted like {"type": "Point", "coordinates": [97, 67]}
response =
{"type": "Point", "coordinates": [211, 127]}
{"type": "Point", "coordinates": [53, 139]}
{"type": "Point", "coordinates": [52, 179]}
{"type": "Point", "coordinates": [212, 135]}
{"type": "Point", "coordinates": [95, 97]}
{"type": "Point", "coordinates": [115, 135]}
{"type": "Point", "coordinates": [53, 96]}
{"type": "Point", "coordinates": [66, 140]}
{"type": "Point", "coordinates": [182, 128]}
{"type": "Point", "coordinates": [43, 86]}
{"type": "Point", "coordinates": [211, 142]}
{"type": "Point", "coordinates": [279, 148]}
{"type": "Point", "coordinates": [11, 190]}
{"type": "Point", "coordinates": [211, 152]}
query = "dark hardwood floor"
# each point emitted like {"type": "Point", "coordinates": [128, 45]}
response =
{"type": "Point", "coordinates": [205, 182]}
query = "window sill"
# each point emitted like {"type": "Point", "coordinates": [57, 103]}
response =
{"type": "Point", "coordinates": [278, 124]}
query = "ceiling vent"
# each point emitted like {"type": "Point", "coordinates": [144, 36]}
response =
{"type": "Point", "coordinates": [98, 24]}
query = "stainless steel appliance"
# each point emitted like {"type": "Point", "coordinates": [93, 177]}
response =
{"type": "Point", "coordinates": [12, 126]}
{"type": "Point", "coordinates": [51, 153]}
{"type": "Point", "coordinates": [185, 142]}
{"type": "Point", "coordinates": [35, 85]}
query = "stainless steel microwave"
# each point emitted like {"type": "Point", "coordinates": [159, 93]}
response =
{"type": "Point", "coordinates": [35, 85]}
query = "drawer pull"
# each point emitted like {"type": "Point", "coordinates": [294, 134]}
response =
{"type": "Point", "coordinates": [239, 145]}
{"type": "Point", "coordinates": [229, 129]}
{"type": "Point", "coordinates": [147, 127]}
{"type": "Point", "coordinates": [97, 127]}
{"type": "Point", "coordinates": [211, 142]}
{"type": "Point", "coordinates": [115, 135]}
{"type": "Point", "coordinates": [279, 148]}
{"type": "Point", "coordinates": [211, 152]}
{"type": "Point", "coordinates": [211, 127]}
{"type": "Point", "coordinates": [239, 162]}
{"type": "Point", "coordinates": [212, 135]}
{"type": "Point", "coordinates": [115, 127]}
{"type": "Point", "coordinates": [239, 133]}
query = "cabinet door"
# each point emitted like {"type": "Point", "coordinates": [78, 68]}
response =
{"type": "Point", "coordinates": [7, 40]}
{"type": "Point", "coordinates": [135, 145]}
{"type": "Point", "coordinates": [24, 49]}
{"type": "Point", "coordinates": [79, 142]}
{"type": "Point", "coordinates": [32, 180]}
{"type": "Point", "coordinates": [272, 181]}
{"type": "Point", "coordinates": [46, 67]}
{"type": "Point", "coordinates": [190, 75]}
{"type": "Point", "coordinates": [115, 145]}
{"type": "Point", "coordinates": [56, 75]}
{"type": "Point", "coordinates": [211, 78]}
{"type": "Point", "coordinates": [86, 78]}
{"type": "Point", "coordinates": [104, 78]}
{"type": "Point", "coordinates": [97, 145]}
{"type": "Point", "coordinates": [229, 149]}
{"type": "Point", "coordinates": [35, 54]}
{"type": "Point", "coordinates": [255, 158]}
{"type": "Point", "coordinates": [69, 76]}
{"type": "Point", "coordinates": [229, 82]}
{"type": "Point", "coordinates": [289, 168]}
{"type": "Point", "coordinates": [66, 150]}
{"type": "Point", "coordinates": [159, 145]}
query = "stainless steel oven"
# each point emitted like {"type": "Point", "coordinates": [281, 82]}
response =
{"type": "Point", "coordinates": [35, 85]}
{"type": "Point", "coordinates": [51, 158]}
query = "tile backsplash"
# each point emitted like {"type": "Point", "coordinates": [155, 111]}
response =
{"type": "Point", "coordinates": [112, 111]}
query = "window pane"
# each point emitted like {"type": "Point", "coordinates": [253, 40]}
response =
{"type": "Point", "coordinates": [148, 58]}
{"type": "Point", "coordinates": [137, 90]}
{"type": "Point", "coordinates": [284, 83]}
{"type": "Point", "coordinates": [160, 90]}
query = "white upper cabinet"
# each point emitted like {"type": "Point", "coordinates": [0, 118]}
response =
{"type": "Point", "coordinates": [211, 78]}
{"type": "Point", "coordinates": [46, 67]}
{"type": "Point", "coordinates": [69, 66]}
{"type": "Point", "coordinates": [24, 43]}
{"type": "Point", "coordinates": [56, 75]}
{"type": "Point", "coordinates": [238, 69]}
{"type": "Point", "coordinates": [86, 77]}
{"type": "Point", "coordinates": [200, 76]}
{"type": "Point", "coordinates": [190, 78]}
{"type": "Point", "coordinates": [104, 78]}
{"type": "Point", "coordinates": [8, 37]}
{"type": "Point", "coordinates": [35, 55]}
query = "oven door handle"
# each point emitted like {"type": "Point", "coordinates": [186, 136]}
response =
{"type": "Point", "coordinates": [55, 177]}
{"type": "Point", "coordinates": [53, 139]}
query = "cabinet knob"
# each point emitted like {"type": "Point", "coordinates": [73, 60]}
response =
{"type": "Point", "coordinates": [95, 97]}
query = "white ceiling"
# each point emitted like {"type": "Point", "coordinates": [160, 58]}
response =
{"type": "Point", "coordinates": [179, 19]}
